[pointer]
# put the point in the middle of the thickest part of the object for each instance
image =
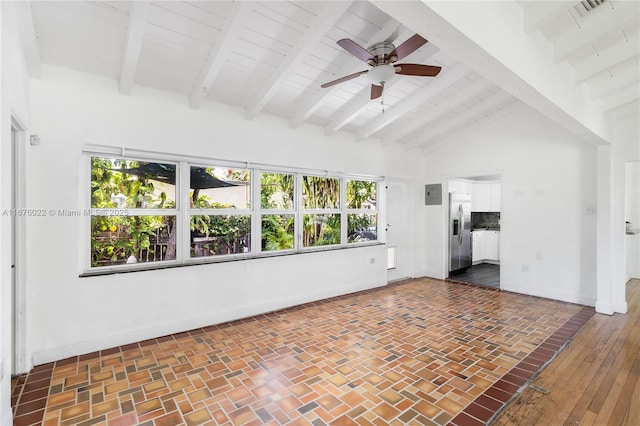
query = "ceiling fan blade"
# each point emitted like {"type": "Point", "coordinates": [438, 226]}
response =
{"type": "Point", "coordinates": [417, 69]}
{"type": "Point", "coordinates": [376, 91]}
{"type": "Point", "coordinates": [355, 49]}
{"type": "Point", "coordinates": [394, 35]}
{"type": "Point", "coordinates": [410, 45]}
{"type": "Point", "coordinates": [343, 79]}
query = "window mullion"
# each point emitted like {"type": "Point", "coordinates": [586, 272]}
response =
{"type": "Point", "coordinates": [298, 199]}
{"type": "Point", "coordinates": [256, 211]}
{"type": "Point", "coordinates": [343, 209]}
{"type": "Point", "coordinates": [183, 233]}
{"type": "Point", "coordinates": [381, 202]}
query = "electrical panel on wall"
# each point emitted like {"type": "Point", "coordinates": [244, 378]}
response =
{"type": "Point", "coordinates": [433, 194]}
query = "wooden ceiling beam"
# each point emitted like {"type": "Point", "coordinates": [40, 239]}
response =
{"type": "Point", "coordinates": [218, 55]}
{"type": "Point", "coordinates": [622, 97]}
{"type": "Point", "coordinates": [540, 13]}
{"type": "Point", "coordinates": [448, 127]}
{"type": "Point", "coordinates": [28, 37]}
{"type": "Point", "coordinates": [133, 45]}
{"type": "Point", "coordinates": [618, 80]}
{"type": "Point", "coordinates": [601, 21]}
{"type": "Point", "coordinates": [410, 132]}
{"type": "Point", "coordinates": [322, 24]}
{"type": "Point", "coordinates": [434, 144]}
{"type": "Point", "coordinates": [608, 59]}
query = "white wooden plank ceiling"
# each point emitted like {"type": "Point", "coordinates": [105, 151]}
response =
{"type": "Point", "coordinates": [271, 58]}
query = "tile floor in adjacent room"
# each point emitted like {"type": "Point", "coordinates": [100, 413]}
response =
{"type": "Point", "coordinates": [419, 352]}
{"type": "Point", "coordinates": [484, 274]}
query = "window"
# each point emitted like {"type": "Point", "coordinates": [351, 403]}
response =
{"type": "Point", "coordinates": [146, 213]}
{"type": "Point", "coordinates": [321, 211]}
{"type": "Point", "coordinates": [133, 211]}
{"type": "Point", "coordinates": [277, 216]}
{"type": "Point", "coordinates": [362, 215]}
{"type": "Point", "coordinates": [220, 215]}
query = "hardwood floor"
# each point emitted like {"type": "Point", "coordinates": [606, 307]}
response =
{"type": "Point", "coordinates": [484, 274]}
{"type": "Point", "coordinates": [594, 381]}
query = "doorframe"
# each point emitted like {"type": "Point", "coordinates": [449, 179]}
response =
{"type": "Point", "coordinates": [19, 363]}
{"type": "Point", "coordinates": [410, 238]}
{"type": "Point", "coordinates": [446, 181]}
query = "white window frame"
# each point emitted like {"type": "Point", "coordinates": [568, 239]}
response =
{"type": "Point", "coordinates": [183, 211]}
{"type": "Point", "coordinates": [248, 211]}
{"type": "Point", "coordinates": [260, 212]}
{"type": "Point", "coordinates": [375, 211]}
{"type": "Point", "coordinates": [321, 211]}
{"type": "Point", "coordinates": [130, 212]}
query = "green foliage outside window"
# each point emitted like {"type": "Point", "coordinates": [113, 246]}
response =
{"type": "Point", "coordinates": [361, 194]}
{"type": "Point", "coordinates": [276, 193]}
{"type": "Point", "coordinates": [115, 238]}
{"type": "Point", "coordinates": [134, 187]}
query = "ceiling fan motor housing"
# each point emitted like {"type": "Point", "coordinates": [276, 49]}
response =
{"type": "Point", "coordinates": [380, 52]}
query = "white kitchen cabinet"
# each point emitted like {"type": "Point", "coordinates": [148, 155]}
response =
{"type": "Point", "coordinates": [492, 245]}
{"type": "Point", "coordinates": [480, 197]}
{"type": "Point", "coordinates": [495, 197]}
{"type": "Point", "coordinates": [486, 246]}
{"type": "Point", "coordinates": [476, 247]}
{"type": "Point", "coordinates": [485, 196]}
{"type": "Point", "coordinates": [460, 186]}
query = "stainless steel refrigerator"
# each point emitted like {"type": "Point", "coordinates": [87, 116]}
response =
{"type": "Point", "coordinates": [459, 231]}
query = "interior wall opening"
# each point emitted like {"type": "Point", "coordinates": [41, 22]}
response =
{"type": "Point", "coordinates": [474, 229]}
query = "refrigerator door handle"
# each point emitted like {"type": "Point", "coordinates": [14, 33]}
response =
{"type": "Point", "coordinates": [461, 233]}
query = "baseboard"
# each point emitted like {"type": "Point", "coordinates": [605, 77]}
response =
{"type": "Point", "coordinates": [54, 354]}
{"type": "Point", "coordinates": [7, 416]}
{"type": "Point", "coordinates": [620, 308]}
{"type": "Point", "coordinates": [578, 299]}
{"type": "Point", "coordinates": [604, 308]}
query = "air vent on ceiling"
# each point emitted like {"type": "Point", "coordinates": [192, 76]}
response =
{"type": "Point", "coordinates": [586, 6]}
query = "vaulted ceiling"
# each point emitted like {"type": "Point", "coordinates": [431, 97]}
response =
{"type": "Point", "coordinates": [270, 57]}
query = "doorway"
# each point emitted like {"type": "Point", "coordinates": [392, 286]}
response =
{"type": "Point", "coordinates": [18, 253]}
{"type": "Point", "coordinates": [484, 229]}
{"type": "Point", "coordinates": [398, 237]}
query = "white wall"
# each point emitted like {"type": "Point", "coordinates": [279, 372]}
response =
{"type": "Point", "coordinates": [548, 180]}
{"type": "Point", "coordinates": [14, 87]}
{"type": "Point", "coordinates": [69, 315]}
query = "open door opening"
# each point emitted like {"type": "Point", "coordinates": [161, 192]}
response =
{"type": "Point", "coordinates": [475, 211]}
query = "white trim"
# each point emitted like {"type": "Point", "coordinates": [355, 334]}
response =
{"type": "Point", "coordinates": [554, 295]}
{"type": "Point", "coordinates": [123, 152]}
{"type": "Point", "coordinates": [21, 364]}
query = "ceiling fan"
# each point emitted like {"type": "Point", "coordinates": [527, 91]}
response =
{"type": "Point", "coordinates": [382, 57]}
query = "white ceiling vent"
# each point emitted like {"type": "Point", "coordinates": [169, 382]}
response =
{"type": "Point", "coordinates": [586, 6]}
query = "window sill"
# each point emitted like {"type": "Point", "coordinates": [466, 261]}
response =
{"type": "Point", "coordinates": [141, 267]}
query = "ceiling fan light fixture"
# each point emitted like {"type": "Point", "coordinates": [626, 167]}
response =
{"type": "Point", "coordinates": [381, 74]}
